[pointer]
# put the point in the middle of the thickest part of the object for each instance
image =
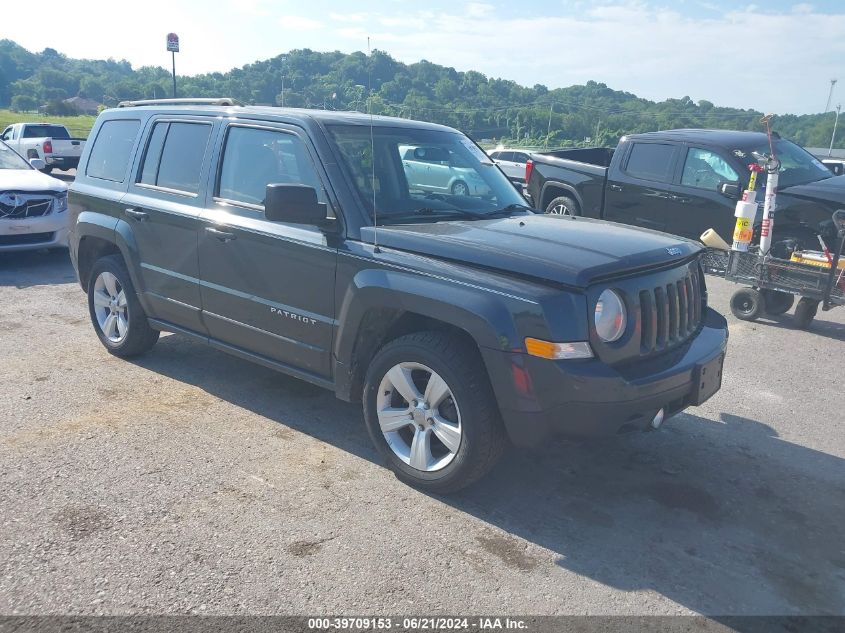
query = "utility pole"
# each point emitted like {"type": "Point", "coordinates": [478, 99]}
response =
{"type": "Point", "coordinates": [833, 136]}
{"type": "Point", "coordinates": [549, 129]}
{"type": "Point", "coordinates": [830, 94]}
{"type": "Point", "coordinates": [598, 126]}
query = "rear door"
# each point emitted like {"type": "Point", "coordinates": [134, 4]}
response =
{"type": "Point", "coordinates": [163, 207]}
{"type": "Point", "coordinates": [638, 192]}
{"type": "Point", "coordinates": [267, 287]}
{"type": "Point", "coordinates": [695, 203]}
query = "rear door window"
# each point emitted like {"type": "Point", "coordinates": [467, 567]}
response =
{"type": "Point", "coordinates": [174, 156]}
{"type": "Point", "coordinates": [109, 158]}
{"type": "Point", "coordinates": [651, 161]}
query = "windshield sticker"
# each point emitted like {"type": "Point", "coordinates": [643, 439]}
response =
{"type": "Point", "coordinates": [476, 151]}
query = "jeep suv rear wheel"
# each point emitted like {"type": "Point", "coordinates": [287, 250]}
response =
{"type": "Point", "coordinates": [431, 412]}
{"type": "Point", "coordinates": [118, 318]}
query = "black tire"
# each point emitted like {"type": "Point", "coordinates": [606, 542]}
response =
{"type": "Point", "coordinates": [139, 336]}
{"type": "Point", "coordinates": [747, 304]}
{"type": "Point", "coordinates": [483, 437]}
{"type": "Point", "coordinates": [777, 302]}
{"type": "Point", "coordinates": [805, 312]}
{"type": "Point", "coordinates": [563, 205]}
{"type": "Point", "coordinates": [793, 239]}
{"type": "Point", "coordinates": [460, 188]}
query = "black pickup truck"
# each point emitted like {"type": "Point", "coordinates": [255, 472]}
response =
{"type": "Point", "coordinates": [300, 240]}
{"type": "Point", "coordinates": [687, 181]}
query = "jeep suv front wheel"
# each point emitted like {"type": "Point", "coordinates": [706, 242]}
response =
{"type": "Point", "coordinates": [116, 314]}
{"type": "Point", "coordinates": [431, 412]}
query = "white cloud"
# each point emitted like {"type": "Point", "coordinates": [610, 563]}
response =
{"type": "Point", "coordinates": [479, 9]}
{"type": "Point", "coordinates": [299, 22]}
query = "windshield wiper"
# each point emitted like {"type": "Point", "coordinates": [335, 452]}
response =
{"type": "Point", "coordinates": [509, 209]}
{"type": "Point", "coordinates": [453, 212]}
{"type": "Point", "coordinates": [430, 211]}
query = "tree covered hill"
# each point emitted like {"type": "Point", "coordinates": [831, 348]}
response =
{"type": "Point", "coordinates": [485, 108]}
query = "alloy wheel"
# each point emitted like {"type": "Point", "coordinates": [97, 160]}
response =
{"type": "Point", "coordinates": [110, 307]}
{"type": "Point", "coordinates": [419, 416]}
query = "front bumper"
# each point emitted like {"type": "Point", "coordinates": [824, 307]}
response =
{"type": "Point", "coordinates": [49, 231]}
{"type": "Point", "coordinates": [539, 398]}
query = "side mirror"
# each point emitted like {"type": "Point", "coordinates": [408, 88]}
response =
{"type": "Point", "coordinates": [296, 204]}
{"type": "Point", "coordinates": [730, 190]}
{"type": "Point", "coordinates": [37, 163]}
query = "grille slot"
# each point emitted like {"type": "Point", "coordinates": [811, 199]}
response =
{"type": "Point", "coordinates": [670, 314]}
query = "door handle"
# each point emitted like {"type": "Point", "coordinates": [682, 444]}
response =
{"type": "Point", "coordinates": [615, 188]}
{"type": "Point", "coordinates": [223, 236]}
{"type": "Point", "coordinates": [137, 214]}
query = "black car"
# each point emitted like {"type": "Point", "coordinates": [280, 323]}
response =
{"type": "Point", "coordinates": [298, 240]}
{"type": "Point", "coordinates": [687, 181]}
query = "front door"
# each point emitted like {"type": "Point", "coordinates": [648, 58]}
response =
{"type": "Point", "coordinates": [638, 192]}
{"type": "Point", "coordinates": [267, 287]}
{"type": "Point", "coordinates": [696, 204]}
{"type": "Point", "coordinates": [162, 206]}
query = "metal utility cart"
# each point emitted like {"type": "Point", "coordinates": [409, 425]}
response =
{"type": "Point", "coordinates": [774, 283]}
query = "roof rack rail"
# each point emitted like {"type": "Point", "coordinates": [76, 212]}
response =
{"type": "Point", "coordinates": [225, 101]}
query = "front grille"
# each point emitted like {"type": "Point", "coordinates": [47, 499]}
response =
{"type": "Point", "coordinates": [19, 206]}
{"type": "Point", "coordinates": [670, 313]}
{"type": "Point", "coordinates": [26, 238]}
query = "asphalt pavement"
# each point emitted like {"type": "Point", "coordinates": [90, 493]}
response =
{"type": "Point", "coordinates": [189, 481]}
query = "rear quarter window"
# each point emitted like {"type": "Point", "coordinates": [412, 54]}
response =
{"type": "Point", "coordinates": [112, 149]}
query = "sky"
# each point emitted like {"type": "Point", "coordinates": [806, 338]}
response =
{"type": "Point", "coordinates": [778, 56]}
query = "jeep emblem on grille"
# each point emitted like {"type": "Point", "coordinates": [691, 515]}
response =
{"type": "Point", "coordinates": [673, 251]}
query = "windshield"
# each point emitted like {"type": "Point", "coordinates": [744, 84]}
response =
{"type": "Point", "coordinates": [10, 159]}
{"type": "Point", "coordinates": [422, 174]}
{"type": "Point", "coordinates": [797, 165]}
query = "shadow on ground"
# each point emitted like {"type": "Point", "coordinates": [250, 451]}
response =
{"type": "Point", "coordinates": [720, 517]}
{"type": "Point", "coordinates": [819, 326]}
{"type": "Point", "coordinates": [36, 268]}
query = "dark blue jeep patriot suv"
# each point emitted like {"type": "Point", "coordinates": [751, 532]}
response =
{"type": "Point", "coordinates": [392, 262]}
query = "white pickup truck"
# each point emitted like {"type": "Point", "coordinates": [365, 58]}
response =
{"type": "Point", "coordinates": [50, 142]}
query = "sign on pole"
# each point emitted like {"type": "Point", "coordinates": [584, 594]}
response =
{"type": "Point", "coordinates": [173, 42]}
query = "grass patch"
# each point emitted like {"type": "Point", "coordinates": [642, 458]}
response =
{"type": "Point", "coordinates": [79, 126]}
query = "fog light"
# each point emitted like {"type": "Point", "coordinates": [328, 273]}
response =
{"type": "Point", "coordinates": [658, 419]}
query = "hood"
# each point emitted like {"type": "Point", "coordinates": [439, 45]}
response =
{"type": "Point", "coordinates": [570, 251]}
{"type": "Point", "coordinates": [29, 180]}
{"type": "Point", "coordinates": [828, 189]}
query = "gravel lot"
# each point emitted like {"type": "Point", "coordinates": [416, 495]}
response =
{"type": "Point", "coordinates": [189, 481]}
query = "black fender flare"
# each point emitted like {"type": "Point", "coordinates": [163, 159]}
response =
{"type": "Point", "coordinates": [119, 233]}
{"type": "Point", "coordinates": [483, 314]}
{"type": "Point", "coordinates": [569, 189]}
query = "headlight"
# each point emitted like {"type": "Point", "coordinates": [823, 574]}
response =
{"type": "Point", "coordinates": [61, 202]}
{"type": "Point", "coordinates": [610, 316]}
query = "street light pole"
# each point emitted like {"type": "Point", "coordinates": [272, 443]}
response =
{"type": "Point", "coordinates": [835, 123]}
{"type": "Point", "coordinates": [830, 94]}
